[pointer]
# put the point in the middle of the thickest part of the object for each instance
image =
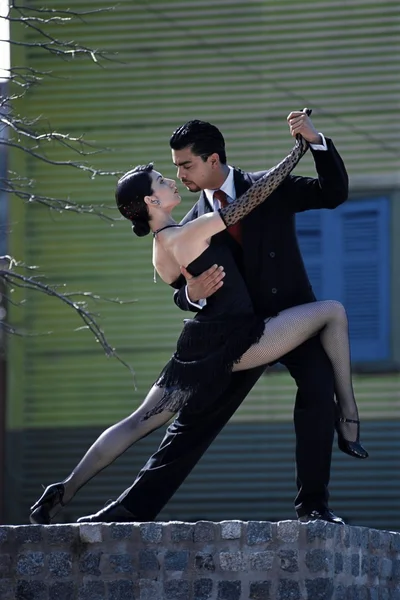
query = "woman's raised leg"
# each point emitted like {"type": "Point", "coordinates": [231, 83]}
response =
{"type": "Point", "coordinates": [294, 326]}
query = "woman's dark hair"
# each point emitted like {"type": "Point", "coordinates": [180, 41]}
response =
{"type": "Point", "coordinates": [203, 138]}
{"type": "Point", "coordinates": [129, 195]}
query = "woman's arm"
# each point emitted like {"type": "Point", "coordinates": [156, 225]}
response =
{"type": "Point", "coordinates": [264, 187]}
{"type": "Point", "coordinates": [188, 241]}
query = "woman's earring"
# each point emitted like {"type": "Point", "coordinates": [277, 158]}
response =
{"type": "Point", "coordinates": [155, 202]}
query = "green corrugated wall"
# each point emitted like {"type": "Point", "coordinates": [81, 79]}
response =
{"type": "Point", "coordinates": [243, 66]}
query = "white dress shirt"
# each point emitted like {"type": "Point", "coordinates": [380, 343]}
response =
{"type": "Point", "coordinates": [229, 188]}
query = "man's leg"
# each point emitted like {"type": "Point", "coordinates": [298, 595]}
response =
{"type": "Point", "coordinates": [185, 442]}
{"type": "Point", "coordinates": [314, 418]}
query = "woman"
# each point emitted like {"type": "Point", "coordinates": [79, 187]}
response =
{"type": "Point", "coordinates": [225, 336]}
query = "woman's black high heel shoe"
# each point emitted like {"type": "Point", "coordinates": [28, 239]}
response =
{"type": "Point", "coordinates": [352, 448]}
{"type": "Point", "coordinates": [51, 496]}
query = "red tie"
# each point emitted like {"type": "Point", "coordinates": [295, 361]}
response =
{"type": "Point", "coordinates": [236, 229]}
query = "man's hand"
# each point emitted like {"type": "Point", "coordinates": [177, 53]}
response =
{"type": "Point", "coordinates": [300, 122]}
{"type": "Point", "coordinates": [203, 285]}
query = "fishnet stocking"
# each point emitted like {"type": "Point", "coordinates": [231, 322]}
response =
{"type": "Point", "coordinates": [114, 441]}
{"type": "Point", "coordinates": [264, 187]}
{"type": "Point", "coordinates": [294, 326]}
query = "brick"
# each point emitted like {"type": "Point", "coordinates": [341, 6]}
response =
{"type": "Point", "coordinates": [91, 533]}
{"type": "Point", "coordinates": [384, 541]}
{"type": "Point", "coordinates": [289, 560]}
{"type": "Point", "coordinates": [357, 592]}
{"type": "Point", "coordinates": [374, 539]}
{"type": "Point", "coordinates": [338, 563]}
{"type": "Point", "coordinates": [148, 560]}
{"type": "Point", "coordinates": [202, 589]}
{"type": "Point", "coordinates": [204, 562]}
{"type": "Point", "coordinates": [365, 564]}
{"type": "Point", "coordinates": [396, 594]}
{"type": "Point", "coordinates": [384, 594]}
{"type": "Point", "coordinates": [374, 593]}
{"type": "Point", "coordinates": [232, 561]}
{"type": "Point", "coordinates": [288, 590]}
{"type": "Point", "coordinates": [176, 560]}
{"type": "Point", "coordinates": [231, 530]}
{"type": "Point", "coordinates": [229, 590]}
{"type": "Point", "coordinates": [89, 564]}
{"type": "Point", "coordinates": [122, 589]}
{"type": "Point", "coordinates": [60, 564]}
{"type": "Point", "coordinates": [7, 589]}
{"type": "Point", "coordinates": [261, 561]}
{"type": "Point", "coordinates": [343, 535]}
{"type": "Point", "coordinates": [30, 564]}
{"type": "Point", "coordinates": [150, 590]}
{"type": "Point", "coordinates": [62, 590]}
{"type": "Point", "coordinates": [364, 538]}
{"type": "Point", "coordinates": [181, 532]}
{"type": "Point", "coordinates": [374, 566]}
{"type": "Point", "coordinates": [151, 532]}
{"type": "Point", "coordinates": [28, 534]}
{"type": "Point", "coordinates": [320, 530]}
{"type": "Point", "coordinates": [176, 590]}
{"type": "Point", "coordinates": [396, 571]}
{"type": "Point", "coordinates": [31, 590]}
{"type": "Point", "coordinates": [355, 537]}
{"type": "Point", "coordinates": [204, 531]}
{"type": "Point", "coordinates": [355, 565]}
{"type": "Point", "coordinates": [121, 531]}
{"type": "Point", "coordinates": [319, 589]}
{"type": "Point", "coordinates": [340, 592]}
{"type": "Point", "coordinates": [61, 534]}
{"type": "Point", "coordinates": [121, 563]}
{"type": "Point", "coordinates": [347, 564]}
{"type": "Point", "coordinates": [260, 590]}
{"type": "Point", "coordinates": [288, 531]}
{"type": "Point", "coordinates": [319, 560]}
{"type": "Point", "coordinates": [258, 532]}
{"type": "Point", "coordinates": [5, 566]}
{"type": "Point", "coordinates": [395, 541]}
{"type": "Point", "coordinates": [4, 534]}
{"type": "Point", "coordinates": [92, 590]}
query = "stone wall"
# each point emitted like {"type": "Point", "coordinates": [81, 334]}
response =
{"type": "Point", "coordinates": [231, 560]}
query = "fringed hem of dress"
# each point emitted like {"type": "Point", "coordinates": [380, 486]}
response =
{"type": "Point", "coordinates": [200, 369]}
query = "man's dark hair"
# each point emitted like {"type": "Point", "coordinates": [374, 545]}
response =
{"type": "Point", "coordinates": [203, 139]}
{"type": "Point", "coordinates": [129, 195]}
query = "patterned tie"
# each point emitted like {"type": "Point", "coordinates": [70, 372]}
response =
{"type": "Point", "coordinates": [236, 229]}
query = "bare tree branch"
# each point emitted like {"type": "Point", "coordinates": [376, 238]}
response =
{"type": "Point", "coordinates": [10, 277]}
{"type": "Point", "coordinates": [62, 48]}
{"type": "Point", "coordinates": [32, 137]}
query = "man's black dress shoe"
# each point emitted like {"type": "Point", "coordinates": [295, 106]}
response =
{"type": "Point", "coordinates": [321, 515]}
{"type": "Point", "coordinates": [113, 513]}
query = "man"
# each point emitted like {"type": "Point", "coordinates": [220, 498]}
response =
{"type": "Point", "coordinates": [267, 253]}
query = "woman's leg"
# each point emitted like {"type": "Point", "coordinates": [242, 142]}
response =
{"type": "Point", "coordinates": [112, 443]}
{"type": "Point", "coordinates": [294, 326]}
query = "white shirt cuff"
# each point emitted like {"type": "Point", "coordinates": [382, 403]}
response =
{"type": "Point", "coordinates": [200, 304]}
{"type": "Point", "coordinates": [322, 146]}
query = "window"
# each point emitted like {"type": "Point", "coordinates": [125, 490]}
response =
{"type": "Point", "coordinates": [347, 254]}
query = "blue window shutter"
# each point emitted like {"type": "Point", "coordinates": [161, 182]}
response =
{"type": "Point", "coordinates": [365, 257]}
{"type": "Point", "coordinates": [346, 252]}
{"type": "Point", "coordinates": [309, 231]}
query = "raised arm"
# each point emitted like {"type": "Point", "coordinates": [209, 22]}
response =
{"type": "Point", "coordinates": [264, 187]}
{"type": "Point", "coordinates": [187, 242]}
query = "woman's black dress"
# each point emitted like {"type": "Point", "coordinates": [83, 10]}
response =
{"type": "Point", "coordinates": [212, 341]}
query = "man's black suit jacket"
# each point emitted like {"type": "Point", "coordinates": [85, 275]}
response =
{"type": "Point", "coordinates": [270, 258]}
